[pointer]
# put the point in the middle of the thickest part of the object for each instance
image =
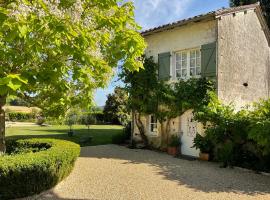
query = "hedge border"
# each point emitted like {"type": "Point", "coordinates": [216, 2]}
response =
{"type": "Point", "coordinates": [27, 174]}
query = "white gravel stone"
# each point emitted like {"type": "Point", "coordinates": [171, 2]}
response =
{"type": "Point", "coordinates": [113, 172]}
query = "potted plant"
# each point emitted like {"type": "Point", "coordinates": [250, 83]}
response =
{"type": "Point", "coordinates": [204, 145]}
{"type": "Point", "coordinates": [174, 144]}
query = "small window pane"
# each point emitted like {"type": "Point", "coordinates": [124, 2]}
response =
{"type": "Point", "coordinates": [178, 65]}
{"type": "Point", "coordinates": [153, 119]}
{"type": "Point", "coordinates": [178, 57]}
{"type": "Point", "coordinates": [198, 53]}
{"type": "Point", "coordinates": [192, 71]}
{"type": "Point", "coordinates": [198, 61]}
{"type": "Point", "coordinates": [184, 72]}
{"type": "Point", "coordinates": [184, 63]}
{"type": "Point", "coordinates": [192, 63]}
{"type": "Point", "coordinates": [178, 73]}
{"type": "Point", "coordinates": [184, 55]}
{"type": "Point", "coordinates": [192, 54]}
{"type": "Point", "coordinates": [198, 71]}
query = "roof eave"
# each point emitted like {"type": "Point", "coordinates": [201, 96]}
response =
{"type": "Point", "coordinates": [206, 17]}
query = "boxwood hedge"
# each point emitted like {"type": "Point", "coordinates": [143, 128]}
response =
{"type": "Point", "coordinates": [29, 172]}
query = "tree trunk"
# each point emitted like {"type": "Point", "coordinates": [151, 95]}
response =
{"type": "Point", "coordinates": [141, 128]}
{"type": "Point", "coordinates": [165, 130]}
{"type": "Point", "coordinates": [132, 127]}
{"type": "Point", "coordinates": [2, 125]}
{"type": "Point", "coordinates": [168, 130]}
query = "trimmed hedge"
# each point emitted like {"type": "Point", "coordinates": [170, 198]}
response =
{"type": "Point", "coordinates": [28, 173]}
{"type": "Point", "coordinates": [20, 116]}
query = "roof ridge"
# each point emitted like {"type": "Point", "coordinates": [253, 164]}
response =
{"type": "Point", "coordinates": [199, 17]}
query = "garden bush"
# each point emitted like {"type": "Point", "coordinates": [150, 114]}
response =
{"type": "Point", "coordinates": [34, 165]}
{"type": "Point", "coordinates": [238, 138]}
{"type": "Point", "coordinates": [120, 138]}
{"type": "Point", "coordinates": [20, 116]}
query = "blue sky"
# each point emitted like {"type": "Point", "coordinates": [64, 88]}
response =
{"type": "Point", "coordinates": [152, 13]}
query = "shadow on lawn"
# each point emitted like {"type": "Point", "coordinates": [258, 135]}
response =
{"type": "Point", "coordinates": [201, 176]}
{"type": "Point", "coordinates": [99, 136]}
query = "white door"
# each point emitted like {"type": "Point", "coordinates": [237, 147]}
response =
{"type": "Point", "coordinates": [189, 130]}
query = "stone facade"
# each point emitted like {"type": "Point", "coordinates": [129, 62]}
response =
{"type": "Point", "coordinates": [242, 68]}
{"type": "Point", "coordinates": [243, 59]}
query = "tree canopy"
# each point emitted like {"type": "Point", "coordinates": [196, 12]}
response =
{"type": "Point", "coordinates": [56, 53]}
{"type": "Point", "coordinates": [148, 95]}
{"type": "Point", "coordinates": [60, 52]}
{"type": "Point", "coordinates": [115, 109]}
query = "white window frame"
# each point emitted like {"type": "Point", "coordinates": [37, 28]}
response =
{"type": "Point", "coordinates": [188, 63]}
{"type": "Point", "coordinates": [155, 132]}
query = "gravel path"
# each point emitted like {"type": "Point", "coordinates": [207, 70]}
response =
{"type": "Point", "coordinates": [112, 172]}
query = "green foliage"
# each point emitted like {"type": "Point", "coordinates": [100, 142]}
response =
{"type": "Point", "coordinates": [72, 118]}
{"type": "Point", "coordinates": [28, 173]}
{"type": "Point", "coordinates": [260, 126]}
{"type": "Point", "coordinates": [56, 54]}
{"type": "Point", "coordinates": [16, 101]}
{"type": "Point", "coordinates": [203, 143]}
{"type": "Point", "coordinates": [115, 110]}
{"type": "Point", "coordinates": [119, 138]}
{"type": "Point", "coordinates": [175, 99]}
{"type": "Point", "coordinates": [20, 116]}
{"type": "Point", "coordinates": [88, 119]}
{"type": "Point", "coordinates": [174, 141]}
{"type": "Point", "coordinates": [165, 100]}
{"type": "Point", "coordinates": [141, 86]}
{"type": "Point", "coordinates": [40, 120]}
{"type": "Point", "coordinates": [237, 137]}
{"type": "Point", "coordinates": [124, 136]}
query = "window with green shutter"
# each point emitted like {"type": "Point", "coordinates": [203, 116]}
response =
{"type": "Point", "coordinates": [164, 61]}
{"type": "Point", "coordinates": [208, 59]}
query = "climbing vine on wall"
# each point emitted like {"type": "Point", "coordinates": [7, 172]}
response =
{"type": "Point", "coordinates": [163, 99]}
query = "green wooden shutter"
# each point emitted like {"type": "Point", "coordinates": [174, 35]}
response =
{"type": "Point", "coordinates": [164, 66]}
{"type": "Point", "coordinates": [208, 56]}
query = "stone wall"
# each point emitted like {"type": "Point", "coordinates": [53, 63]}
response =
{"type": "Point", "coordinates": [243, 59]}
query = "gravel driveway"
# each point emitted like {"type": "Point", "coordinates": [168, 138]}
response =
{"type": "Point", "coordinates": [114, 172]}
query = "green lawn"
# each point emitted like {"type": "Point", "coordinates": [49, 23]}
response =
{"type": "Point", "coordinates": [102, 134]}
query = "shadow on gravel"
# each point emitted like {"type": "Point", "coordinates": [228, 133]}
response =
{"type": "Point", "coordinates": [198, 175]}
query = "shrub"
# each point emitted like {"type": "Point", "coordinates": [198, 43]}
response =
{"type": "Point", "coordinates": [239, 138]}
{"type": "Point", "coordinates": [40, 120]}
{"type": "Point", "coordinates": [203, 143]}
{"type": "Point", "coordinates": [39, 165]}
{"type": "Point", "coordinates": [127, 130]}
{"type": "Point", "coordinates": [119, 138]}
{"type": "Point", "coordinates": [20, 116]}
{"type": "Point", "coordinates": [88, 119]}
{"type": "Point", "coordinates": [174, 141]}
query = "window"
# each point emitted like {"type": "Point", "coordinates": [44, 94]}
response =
{"type": "Point", "coordinates": [153, 124]}
{"type": "Point", "coordinates": [188, 63]}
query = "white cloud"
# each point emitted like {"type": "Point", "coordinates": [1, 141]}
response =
{"type": "Point", "coordinates": [152, 13]}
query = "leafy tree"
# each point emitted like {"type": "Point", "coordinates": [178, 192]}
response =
{"type": "Point", "coordinates": [88, 119]}
{"type": "Point", "coordinates": [71, 119]}
{"type": "Point", "coordinates": [149, 95]}
{"type": "Point", "coordinates": [260, 125]}
{"type": "Point", "coordinates": [56, 53]}
{"type": "Point", "coordinates": [141, 87]}
{"type": "Point", "coordinates": [173, 100]}
{"type": "Point", "coordinates": [115, 109]}
{"type": "Point", "coordinates": [265, 4]}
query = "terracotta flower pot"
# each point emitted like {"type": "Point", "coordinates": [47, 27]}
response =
{"type": "Point", "coordinates": [173, 151]}
{"type": "Point", "coordinates": [204, 156]}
